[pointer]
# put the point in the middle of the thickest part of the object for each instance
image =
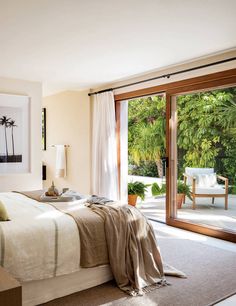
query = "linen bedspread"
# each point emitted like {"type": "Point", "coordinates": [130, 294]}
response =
{"type": "Point", "coordinates": [40, 241]}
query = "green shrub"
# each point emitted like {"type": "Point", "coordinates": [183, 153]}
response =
{"type": "Point", "coordinates": [157, 190]}
{"type": "Point", "coordinates": [147, 168]}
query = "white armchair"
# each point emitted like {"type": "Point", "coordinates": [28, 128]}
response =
{"type": "Point", "coordinates": [203, 183]}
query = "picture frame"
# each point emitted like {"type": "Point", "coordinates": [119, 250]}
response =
{"type": "Point", "coordinates": [44, 132]}
{"type": "Point", "coordinates": [14, 134]}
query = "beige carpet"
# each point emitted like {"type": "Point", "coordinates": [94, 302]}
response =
{"type": "Point", "coordinates": [211, 276]}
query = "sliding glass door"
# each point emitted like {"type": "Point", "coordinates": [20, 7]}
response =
{"type": "Point", "coordinates": [192, 171]}
{"type": "Point", "coordinates": [202, 150]}
{"type": "Point", "coordinates": [143, 152]}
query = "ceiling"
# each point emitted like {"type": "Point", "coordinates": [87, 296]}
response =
{"type": "Point", "coordinates": [75, 44]}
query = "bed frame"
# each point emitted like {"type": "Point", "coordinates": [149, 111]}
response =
{"type": "Point", "coordinates": [42, 291]}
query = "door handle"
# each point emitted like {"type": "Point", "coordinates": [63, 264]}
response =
{"type": "Point", "coordinates": [165, 161]}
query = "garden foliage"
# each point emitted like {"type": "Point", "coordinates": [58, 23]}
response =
{"type": "Point", "coordinates": [206, 133]}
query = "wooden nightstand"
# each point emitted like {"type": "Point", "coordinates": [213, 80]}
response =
{"type": "Point", "coordinates": [10, 290]}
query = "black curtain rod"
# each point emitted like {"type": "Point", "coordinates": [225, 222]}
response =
{"type": "Point", "coordinates": [168, 75]}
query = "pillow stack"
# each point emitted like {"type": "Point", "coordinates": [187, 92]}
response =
{"type": "Point", "coordinates": [206, 180]}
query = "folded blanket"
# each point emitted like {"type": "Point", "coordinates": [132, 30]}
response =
{"type": "Point", "coordinates": [121, 236]}
{"type": "Point", "coordinates": [98, 200]}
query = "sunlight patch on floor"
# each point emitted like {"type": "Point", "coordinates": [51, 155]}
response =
{"type": "Point", "coordinates": [205, 213]}
{"type": "Point", "coordinates": [182, 234]}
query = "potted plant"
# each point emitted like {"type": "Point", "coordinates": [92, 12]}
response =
{"type": "Point", "coordinates": [182, 191]}
{"type": "Point", "coordinates": [135, 190]}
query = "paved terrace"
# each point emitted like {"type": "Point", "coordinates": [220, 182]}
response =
{"type": "Point", "coordinates": [206, 213]}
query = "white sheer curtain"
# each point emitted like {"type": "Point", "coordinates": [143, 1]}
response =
{"type": "Point", "coordinates": [104, 147]}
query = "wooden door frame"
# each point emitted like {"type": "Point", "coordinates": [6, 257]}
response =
{"type": "Point", "coordinates": [205, 82]}
{"type": "Point", "coordinates": [118, 141]}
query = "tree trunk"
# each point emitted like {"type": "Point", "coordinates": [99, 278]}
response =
{"type": "Point", "coordinates": [12, 139]}
{"type": "Point", "coordinates": [6, 140]}
{"type": "Point", "coordinates": [159, 168]}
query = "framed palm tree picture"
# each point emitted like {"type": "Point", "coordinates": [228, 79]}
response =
{"type": "Point", "coordinates": [14, 134]}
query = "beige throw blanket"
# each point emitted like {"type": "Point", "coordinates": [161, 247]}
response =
{"type": "Point", "coordinates": [121, 236]}
{"type": "Point", "coordinates": [133, 253]}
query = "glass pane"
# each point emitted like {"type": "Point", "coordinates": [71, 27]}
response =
{"type": "Point", "coordinates": [206, 154]}
{"type": "Point", "coordinates": [147, 151]}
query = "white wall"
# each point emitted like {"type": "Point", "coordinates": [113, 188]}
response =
{"type": "Point", "coordinates": [68, 122]}
{"type": "Point", "coordinates": [32, 180]}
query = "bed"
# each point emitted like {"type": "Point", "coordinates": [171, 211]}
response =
{"type": "Point", "coordinates": [45, 246]}
{"type": "Point", "coordinates": [40, 247]}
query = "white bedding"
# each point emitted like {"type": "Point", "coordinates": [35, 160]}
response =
{"type": "Point", "coordinates": [39, 242]}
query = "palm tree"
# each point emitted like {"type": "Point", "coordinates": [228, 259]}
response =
{"type": "Point", "coordinates": [5, 122]}
{"type": "Point", "coordinates": [12, 125]}
{"type": "Point", "coordinates": [146, 137]}
{"type": "Point", "coordinates": [149, 144]}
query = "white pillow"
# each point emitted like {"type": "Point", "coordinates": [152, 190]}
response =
{"type": "Point", "coordinates": [206, 180]}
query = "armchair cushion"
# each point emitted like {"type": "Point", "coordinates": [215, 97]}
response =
{"type": "Point", "coordinates": [195, 171]}
{"type": "Point", "coordinates": [205, 180]}
{"type": "Point", "coordinates": [217, 189]}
